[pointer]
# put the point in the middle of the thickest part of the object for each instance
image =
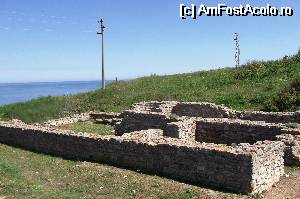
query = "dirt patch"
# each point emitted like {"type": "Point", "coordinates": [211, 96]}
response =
{"type": "Point", "coordinates": [288, 187]}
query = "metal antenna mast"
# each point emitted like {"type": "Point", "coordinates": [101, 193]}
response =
{"type": "Point", "coordinates": [102, 35]}
{"type": "Point", "coordinates": [237, 49]}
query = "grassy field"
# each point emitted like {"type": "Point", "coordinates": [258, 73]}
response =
{"type": "Point", "coordinates": [88, 127]}
{"type": "Point", "coordinates": [25, 174]}
{"type": "Point", "coordinates": [254, 86]}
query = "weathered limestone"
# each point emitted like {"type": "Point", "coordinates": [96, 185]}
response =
{"type": "Point", "coordinates": [164, 107]}
{"type": "Point", "coordinates": [146, 115]}
{"type": "Point", "coordinates": [270, 117]}
{"type": "Point", "coordinates": [106, 118]}
{"type": "Point", "coordinates": [111, 122]}
{"type": "Point", "coordinates": [196, 142]}
{"type": "Point", "coordinates": [204, 110]}
{"type": "Point", "coordinates": [136, 121]}
{"type": "Point", "coordinates": [104, 115]}
{"type": "Point", "coordinates": [69, 120]}
{"type": "Point", "coordinates": [206, 122]}
{"type": "Point", "coordinates": [161, 112]}
{"type": "Point", "coordinates": [227, 131]}
{"type": "Point", "coordinates": [183, 129]}
{"type": "Point", "coordinates": [209, 110]}
{"type": "Point", "coordinates": [292, 148]}
{"type": "Point", "coordinates": [243, 168]}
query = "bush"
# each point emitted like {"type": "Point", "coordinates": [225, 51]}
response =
{"type": "Point", "coordinates": [287, 99]}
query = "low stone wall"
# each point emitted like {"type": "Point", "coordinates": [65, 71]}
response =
{"type": "Point", "coordinates": [226, 131]}
{"type": "Point", "coordinates": [157, 115]}
{"type": "Point", "coordinates": [163, 107]}
{"type": "Point", "coordinates": [69, 120]}
{"type": "Point", "coordinates": [106, 118]}
{"type": "Point", "coordinates": [136, 121]}
{"type": "Point", "coordinates": [211, 110]}
{"type": "Point", "coordinates": [146, 115]}
{"type": "Point", "coordinates": [205, 110]}
{"type": "Point", "coordinates": [292, 148]}
{"type": "Point", "coordinates": [104, 115]}
{"type": "Point", "coordinates": [243, 168]}
{"type": "Point", "coordinates": [270, 117]}
{"type": "Point", "coordinates": [183, 129]}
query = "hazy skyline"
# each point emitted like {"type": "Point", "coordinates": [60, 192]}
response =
{"type": "Point", "coordinates": [56, 40]}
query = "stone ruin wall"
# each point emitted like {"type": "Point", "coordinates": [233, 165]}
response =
{"type": "Point", "coordinates": [206, 122]}
{"type": "Point", "coordinates": [292, 148]}
{"type": "Point", "coordinates": [147, 139]}
{"type": "Point", "coordinates": [228, 131]}
{"type": "Point", "coordinates": [68, 120]}
{"type": "Point", "coordinates": [270, 117]}
{"type": "Point", "coordinates": [136, 121]}
{"type": "Point", "coordinates": [205, 110]}
{"type": "Point", "coordinates": [210, 110]}
{"type": "Point", "coordinates": [157, 115]}
{"type": "Point", "coordinates": [182, 129]}
{"type": "Point", "coordinates": [243, 168]}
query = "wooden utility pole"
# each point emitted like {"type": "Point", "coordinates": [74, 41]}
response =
{"type": "Point", "coordinates": [102, 39]}
{"type": "Point", "coordinates": [237, 49]}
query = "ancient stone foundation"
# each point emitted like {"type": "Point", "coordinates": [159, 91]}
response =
{"type": "Point", "coordinates": [292, 148]}
{"type": "Point", "coordinates": [182, 129]}
{"type": "Point", "coordinates": [201, 143]}
{"type": "Point", "coordinates": [207, 122]}
{"type": "Point", "coordinates": [244, 168]}
{"type": "Point", "coordinates": [228, 131]}
{"type": "Point", "coordinates": [136, 121]}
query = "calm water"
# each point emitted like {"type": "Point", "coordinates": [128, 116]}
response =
{"type": "Point", "coordinates": [20, 92]}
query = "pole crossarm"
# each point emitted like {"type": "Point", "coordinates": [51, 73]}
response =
{"type": "Point", "coordinates": [102, 27]}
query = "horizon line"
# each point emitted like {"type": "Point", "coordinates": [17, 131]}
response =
{"type": "Point", "coordinates": [58, 81]}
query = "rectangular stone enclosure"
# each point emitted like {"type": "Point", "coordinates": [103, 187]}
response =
{"type": "Point", "coordinates": [241, 169]}
{"type": "Point", "coordinates": [200, 143]}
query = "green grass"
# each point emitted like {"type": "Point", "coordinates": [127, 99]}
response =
{"type": "Point", "coordinates": [253, 86]}
{"type": "Point", "coordinates": [25, 174]}
{"type": "Point", "coordinates": [89, 127]}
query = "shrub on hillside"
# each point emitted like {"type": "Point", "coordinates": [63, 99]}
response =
{"type": "Point", "coordinates": [251, 70]}
{"type": "Point", "coordinates": [263, 69]}
{"type": "Point", "coordinates": [297, 57]}
{"type": "Point", "coordinates": [287, 99]}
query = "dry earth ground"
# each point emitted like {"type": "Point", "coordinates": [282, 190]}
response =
{"type": "Point", "coordinates": [287, 188]}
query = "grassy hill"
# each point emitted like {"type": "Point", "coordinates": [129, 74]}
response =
{"type": "Point", "coordinates": [259, 85]}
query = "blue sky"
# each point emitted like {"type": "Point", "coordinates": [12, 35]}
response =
{"type": "Point", "coordinates": [55, 40]}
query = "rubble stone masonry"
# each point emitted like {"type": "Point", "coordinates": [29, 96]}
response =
{"type": "Point", "coordinates": [243, 168]}
{"type": "Point", "coordinates": [207, 122]}
{"type": "Point", "coordinates": [136, 121]}
{"type": "Point", "coordinates": [228, 131]}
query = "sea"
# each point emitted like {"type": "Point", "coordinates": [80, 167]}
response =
{"type": "Point", "coordinates": [21, 92]}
